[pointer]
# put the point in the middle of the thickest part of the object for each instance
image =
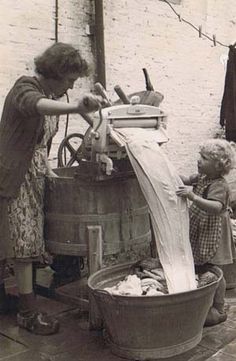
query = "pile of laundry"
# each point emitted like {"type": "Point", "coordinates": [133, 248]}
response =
{"type": "Point", "coordinates": [147, 278]}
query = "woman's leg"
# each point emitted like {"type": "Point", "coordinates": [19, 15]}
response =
{"type": "Point", "coordinates": [8, 302]}
{"type": "Point", "coordinates": [4, 237]}
{"type": "Point", "coordinates": [24, 280]}
{"type": "Point", "coordinates": [28, 316]}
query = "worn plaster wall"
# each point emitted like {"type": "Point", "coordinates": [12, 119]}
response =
{"type": "Point", "coordinates": [28, 27]}
{"type": "Point", "coordinates": [187, 69]}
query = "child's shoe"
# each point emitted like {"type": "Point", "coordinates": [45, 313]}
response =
{"type": "Point", "coordinates": [214, 317]}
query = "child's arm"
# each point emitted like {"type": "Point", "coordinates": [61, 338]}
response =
{"type": "Point", "coordinates": [189, 180]}
{"type": "Point", "coordinates": [207, 205]}
{"type": "Point", "coordinates": [186, 180]}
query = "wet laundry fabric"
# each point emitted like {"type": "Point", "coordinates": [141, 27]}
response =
{"type": "Point", "coordinates": [169, 213]}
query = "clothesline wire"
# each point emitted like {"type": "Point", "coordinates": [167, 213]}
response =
{"type": "Point", "coordinates": [198, 29]}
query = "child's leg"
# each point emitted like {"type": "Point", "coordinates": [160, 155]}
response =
{"type": "Point", "coordinates": [217, 313]}
{"type": "Point", "coordinates": [219, 298]}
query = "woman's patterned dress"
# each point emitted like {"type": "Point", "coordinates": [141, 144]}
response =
{"type": "Point", "coordinates": [26, 212]}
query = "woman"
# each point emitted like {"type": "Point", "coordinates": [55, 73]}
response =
{"type": "Point", "coordinates": [29, 121]}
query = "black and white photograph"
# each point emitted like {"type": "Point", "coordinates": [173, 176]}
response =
{"type": "Point", "coordinates": [118, 180]}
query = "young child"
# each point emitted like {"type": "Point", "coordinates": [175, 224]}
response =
{"type": "Point", "coordinates": [210, 228]}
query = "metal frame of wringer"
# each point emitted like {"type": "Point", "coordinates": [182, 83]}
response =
{"type": "Point", "coordinates": [106, 146]}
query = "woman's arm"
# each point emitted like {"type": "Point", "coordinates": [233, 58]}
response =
{"type": "Point", "coordinates": [86, 103]}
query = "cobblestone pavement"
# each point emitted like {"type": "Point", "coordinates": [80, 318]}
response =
{"type": "Point", "coordinates": [75, 342]}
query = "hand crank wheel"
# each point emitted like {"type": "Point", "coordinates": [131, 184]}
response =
{"type": "Point", "coordinates": [68, 146]}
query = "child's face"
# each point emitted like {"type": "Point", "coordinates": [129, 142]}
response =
{"type": "Point", "coordinates": [206, 165]}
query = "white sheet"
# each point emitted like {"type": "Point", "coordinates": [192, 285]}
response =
{"type": "Point", "coordinates": [169, 213]}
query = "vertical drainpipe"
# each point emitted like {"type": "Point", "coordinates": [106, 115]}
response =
{"type": "Point", "coordinates": [99, 39]}
{"type": "Point", "coordinates": [49, 145]}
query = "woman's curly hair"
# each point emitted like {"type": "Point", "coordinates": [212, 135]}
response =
{"type": "Point", "coordinates": [59, 60]}
{"type": "Point", "coordinates": [222, 152]}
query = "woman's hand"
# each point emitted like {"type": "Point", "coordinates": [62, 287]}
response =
{"type": "Point", "coordinates": [185, 192]}
{"type": "Point", "coordinates": [87, 103]}
{"type": "Point", "coordinates": [90, 103]}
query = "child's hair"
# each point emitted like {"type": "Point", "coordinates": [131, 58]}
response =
{"type": "Point", "coordinates": [60, 59]}
{"type": "Point", "coordinates": [222, 152]}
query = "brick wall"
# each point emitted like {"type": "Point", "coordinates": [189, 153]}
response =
{"type": "Point", "coordinates": [28, 27]}
{"type": "Point", "coordinates": [185, 68]}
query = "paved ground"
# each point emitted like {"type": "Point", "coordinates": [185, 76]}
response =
{"type": "Point", "coordinates": [75, 342]}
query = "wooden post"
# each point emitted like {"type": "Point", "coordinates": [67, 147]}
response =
{"type": "Point", "coordinates": [94, 264]}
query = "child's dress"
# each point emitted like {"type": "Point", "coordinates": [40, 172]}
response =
{"type": "Point", "coordinates": [211, 234]}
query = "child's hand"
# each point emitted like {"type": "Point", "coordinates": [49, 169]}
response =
{"type": "Point", "coordinates": [185, 192]}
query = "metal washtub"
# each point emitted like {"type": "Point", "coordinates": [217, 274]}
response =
{"type": "Point", "coordinates": [144, 328]}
